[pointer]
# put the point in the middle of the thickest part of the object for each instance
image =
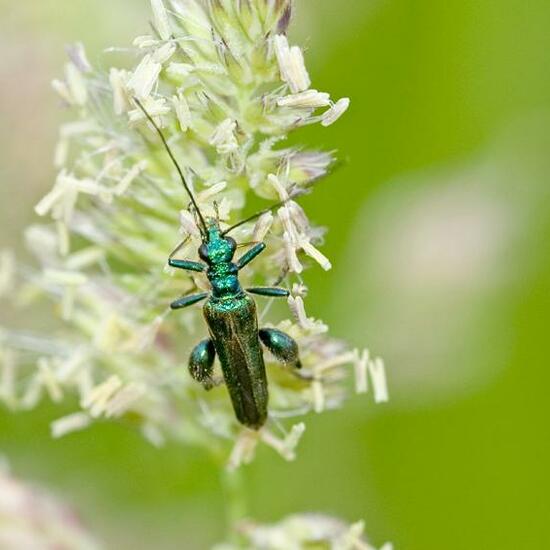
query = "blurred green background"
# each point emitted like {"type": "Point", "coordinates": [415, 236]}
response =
{"type": "Point", "coordinates": [439, 229]}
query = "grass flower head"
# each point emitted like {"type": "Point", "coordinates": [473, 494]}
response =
{"type": "Point", "coordinates": [225, 85]}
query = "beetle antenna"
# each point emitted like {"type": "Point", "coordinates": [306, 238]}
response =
{"type": "Point", "coordinates": [264, 211]}
{"type": "Point", "coordinates": [293, 194]}
{"type": "Point", "coordinates": [176, 164]}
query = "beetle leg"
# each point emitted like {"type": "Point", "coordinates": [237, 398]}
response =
{"type": "Point", "coordinates": [282, 276]}
{"type": "Point", "coordinates": [247, 257]}
{"type": "Point", "coordinates": [187, 265]}
{"type": "Point", "coordinates": [271, 291]}
{"type": "Point", "coordinates": [201, 363]}
{"type": "Point", "coordinates": [187, 301]}
{"type": "Point", "coordinates": [179, 247]}
{"type": "Point", "coordinates": [281, 345]}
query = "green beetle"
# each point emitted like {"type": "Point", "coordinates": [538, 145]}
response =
{"type": "Point", "coordinates": [230, 314]}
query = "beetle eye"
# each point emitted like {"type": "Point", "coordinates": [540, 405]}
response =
{"type": "Point", "coordinates": [232, 243]}
{"type": "Point", "coordinates": [203, 252]}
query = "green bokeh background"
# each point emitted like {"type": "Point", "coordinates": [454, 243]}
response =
{"type": "Point", "coordinates": [450, 111]}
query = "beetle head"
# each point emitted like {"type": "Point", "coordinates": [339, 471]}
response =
{"type": "Point", "coordinates": [217, 248]}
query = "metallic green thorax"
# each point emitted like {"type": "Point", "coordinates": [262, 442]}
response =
{"type": "Point", "coordinates": [235, 338]}
{"type": "Point", "coordinates": [222, 273]}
